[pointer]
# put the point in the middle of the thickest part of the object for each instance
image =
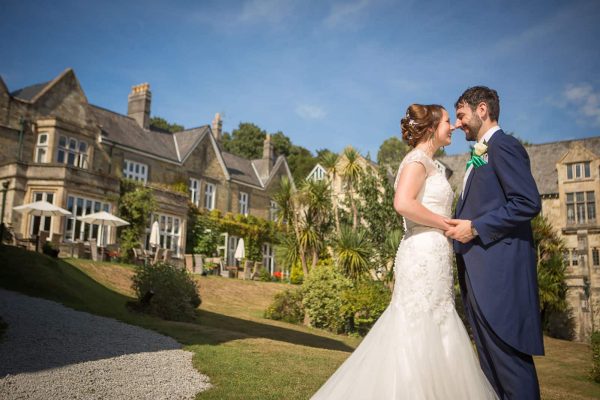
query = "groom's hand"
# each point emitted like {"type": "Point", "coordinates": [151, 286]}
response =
{"type": "Point", "coordinates": [461, 230]}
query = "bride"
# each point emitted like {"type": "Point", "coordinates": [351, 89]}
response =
{"type": "Point", "coordinates": [419, 348]}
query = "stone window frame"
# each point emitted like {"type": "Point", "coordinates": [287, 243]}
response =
{"type": "Point", "coordinates": [581, 207]}
{"type": "Point", "coordinates": [79, 206]}
{"type": "Point", "coordinates": [42, 148]}
{"type": "Point", "coordinates": [273, 209]}
{"type": "Point", "coordinates": [170, 232]}
{"type": "Point", "coordinates": [595, 257]}
{"type": "Point", "coordinates": [268, 257]}
{"type": "Point", "coordinates": [194, 189]}
{"type": "Point", "coordinates": [137, 174]}
{"type": "Point", "coordinates": [210, 196]}
{"type": "Point", "coordinates": [583, 168]}
{"type": "Point", "coordinates": [244, 201]}
{"type": "Point", "coordinates": [74, 152]}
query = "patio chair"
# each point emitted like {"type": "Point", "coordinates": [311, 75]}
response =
{"type": "Point", "coordinates": [94, 250]}
{"type": "Point", "coordinates": [167, 256]}
{"type": "Point", "coordinates": [20, 241]}
{"type": "Point", "coordinates": [198, 263]}
{"type": "Point", "coordinates": [55, 239]}
{"type": "Point", "coordinates": [140, 258]}
{"type": "Point", "coordinates": [189, 262]}
{"type": "Point", "coordinates": [158, 255]}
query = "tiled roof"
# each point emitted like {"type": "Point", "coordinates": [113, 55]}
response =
{"type": "Point", "coordinates": [187, 139]}
{"type": "Point", "coordinates": [125, 131]}
{"type": "Point", "coordinates": [543, 158]}
{"type": "Point", "coordinates": [240, 169]}
{"type": "Point", "coordinates": [29, 92]}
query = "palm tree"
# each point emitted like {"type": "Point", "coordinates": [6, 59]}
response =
{"type": "Point", "coordinates": [351, 170]}
{"type": "Point", "coordinates": [329, 161]}
{"type": "Point", "coordinates": [353, 252]}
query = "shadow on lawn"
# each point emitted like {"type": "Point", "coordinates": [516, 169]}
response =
{"type": "Point", "coordinates": [230, 328]}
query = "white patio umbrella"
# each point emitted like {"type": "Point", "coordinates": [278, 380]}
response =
{"type": "Point", "coordinates": [103, 219]}
{"type": "Point", "coordinates": [41, 209]}
{"type": "Point", "coordinates": [155, 235]}
{"type": "Point", "coordinates": [240, 250]}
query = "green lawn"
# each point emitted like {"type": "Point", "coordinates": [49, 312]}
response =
{"type": "Point", "coordinates": [245, 355]}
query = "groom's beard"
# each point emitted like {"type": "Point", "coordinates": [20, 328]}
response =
{"type": "Point", "coordinates": [474, 126]}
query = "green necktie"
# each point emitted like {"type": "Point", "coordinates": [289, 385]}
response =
{"type": "Point", "coordinates": [476, 161]}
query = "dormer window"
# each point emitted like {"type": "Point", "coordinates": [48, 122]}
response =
{"type": "Point", "coordinates": [580, 170]}
{"type": "Point", "coordinates": [135, 170]}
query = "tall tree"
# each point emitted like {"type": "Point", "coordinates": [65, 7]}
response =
{"type": "Point", "coordinates": [329, 161]}
{"type": "Point", "coordinates": [350, 172]}
{"type": "Point", "coordinates": [391, 152]}
{"type": "Point", "coordinates": [163, 124]}
{"type": "Point", "coordinates": [245, 141]}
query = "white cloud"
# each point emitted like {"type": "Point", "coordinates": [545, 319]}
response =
{"type": "Point", "coordinates": [586, 100]}
{"type": "Point", "coordinates": [308, 111]}
{"type": "Point", "coordinates": [343, 11]}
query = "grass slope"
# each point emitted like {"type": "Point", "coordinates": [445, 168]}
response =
{"type": "Point", "coordinates": [245, 355]}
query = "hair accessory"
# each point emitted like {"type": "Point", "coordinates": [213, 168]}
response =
{"type": "Point", "coordinates": [412, 122]}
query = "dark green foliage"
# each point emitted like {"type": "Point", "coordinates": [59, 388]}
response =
{"type": "Point", "coordinates": [323, 290]}
{"type": "Point", "coordinates": [136, 204]}
{"type": "Point", "coordinates": [162, 124]}
{"type": "Point", "coordinates": [245, 141]}
{"type": "Point", "coordinates": [353, 252]}
{"type": "Point", "coordinates": [286, 306]}
{"type": "Point", "coordinates": [364, 304]}
{"type": "Point", "coordinates": [596, 356]}
{"type": "Point", "coordinates": [175, 294]}
{"type": "Point", "coordinates": [551, 268]}
{"type": "Point", "coordinates": [204, 233]}
{"type": "Point", "coordinates": [391, 152]}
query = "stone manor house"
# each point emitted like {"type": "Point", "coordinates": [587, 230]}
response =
{"type": "Point", "coordinates": [56, 146]}
{"type": "Point", "coordinates": [567, 174]}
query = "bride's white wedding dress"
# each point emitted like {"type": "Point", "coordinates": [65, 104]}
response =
{"type": "Point", "coordinates": [419, 348]}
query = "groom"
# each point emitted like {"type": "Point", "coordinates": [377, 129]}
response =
{"type": "Point", "coordinates": [494, 248]}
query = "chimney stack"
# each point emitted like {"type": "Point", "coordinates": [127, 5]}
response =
{"type": "Point", "coordinates": [268, 151]}
{"type": "Point", "coordinates": [217, 127]}
{"type": "Point", "coordinates": [138, 104]}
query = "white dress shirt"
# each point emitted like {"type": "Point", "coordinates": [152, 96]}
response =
{"type": "Point", "coordinates": [485, 138]}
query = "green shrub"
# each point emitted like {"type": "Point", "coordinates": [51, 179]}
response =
{"type": "Point", "coordinates": [596, 356]}
{"type": "Point", "coordinates": [323, 301]}
{"type": "Point", "coordinates": [296, 274]}
{"type": "Point", "coordinates": [264, 275]}
{"type": "Point", "coordinates": [364, 304]}
{"type": "Point", "coordinates": [286, 306]}
{"type": "Point", "coordinates": [175, 294]}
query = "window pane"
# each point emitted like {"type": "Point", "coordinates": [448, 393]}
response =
{"type": "Point", "coordinates": [62, 141]}
{"type": "Point", "coordinates": [587, 169]}
{"type": "Point", "coordinates": [590, 196]}
{"type": "Point", "coordinates": [60, 157]}
{"type": "Point", "coordinates": [579, 196]}
{"type": "Point", "coordinates": [71, 159]}
{"type": "Point", "coordinates": [43, 138]}
{"type": "Point", "coordinates": [82, 147]}
{"type": "Point", "coordinates": [41, 155]}
{"type": "Point", "coordinates": [569, 171]}
{"type": "Point", "coordinates": [569, 197]}
{"type": "Point", "coordinates": [72, 144]}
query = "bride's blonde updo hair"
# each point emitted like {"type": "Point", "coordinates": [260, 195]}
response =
{"type": "Point", "coordinates": [420, 122]}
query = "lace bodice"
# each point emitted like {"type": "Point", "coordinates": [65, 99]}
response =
{"type": "Point", "coordinates": [423, 266]}
{"type": "Point", "coordinates": [436, 194]}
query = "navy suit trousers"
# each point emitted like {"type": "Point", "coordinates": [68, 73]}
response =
{"type": "Point", "coordinates": [510, 372]}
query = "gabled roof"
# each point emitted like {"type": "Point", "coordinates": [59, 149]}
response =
{"type": "Point", "coordinates": [125, 131]}
{"type": "Point", "coordinates": [28, 93]}
{"type": "Point", "coordinates": [241, 169]}
{"type": "Point", "coordinates": [543, 158]}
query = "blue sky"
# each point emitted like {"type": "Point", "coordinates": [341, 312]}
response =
{"type": "Point", "coordinates": [326, 73]}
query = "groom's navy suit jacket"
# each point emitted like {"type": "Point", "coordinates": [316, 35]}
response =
{"type": "Point", "coordinates": [501, 198]}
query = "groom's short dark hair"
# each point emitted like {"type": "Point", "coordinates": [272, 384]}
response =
{"type": "Point", "coordinates": [477, 94]}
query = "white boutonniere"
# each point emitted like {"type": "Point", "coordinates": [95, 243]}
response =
{"type": "Point", "coordinates": [480, 149]}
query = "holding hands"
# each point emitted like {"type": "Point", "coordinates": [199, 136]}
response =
{"type": "Point", "coordinates": [461, 230]}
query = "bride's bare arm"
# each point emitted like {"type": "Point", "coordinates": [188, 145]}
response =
{"type": "Point", "coordinates": [411, 180]}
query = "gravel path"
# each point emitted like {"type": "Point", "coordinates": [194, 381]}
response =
{"type": "Point", "coordinates": [53, 352]}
